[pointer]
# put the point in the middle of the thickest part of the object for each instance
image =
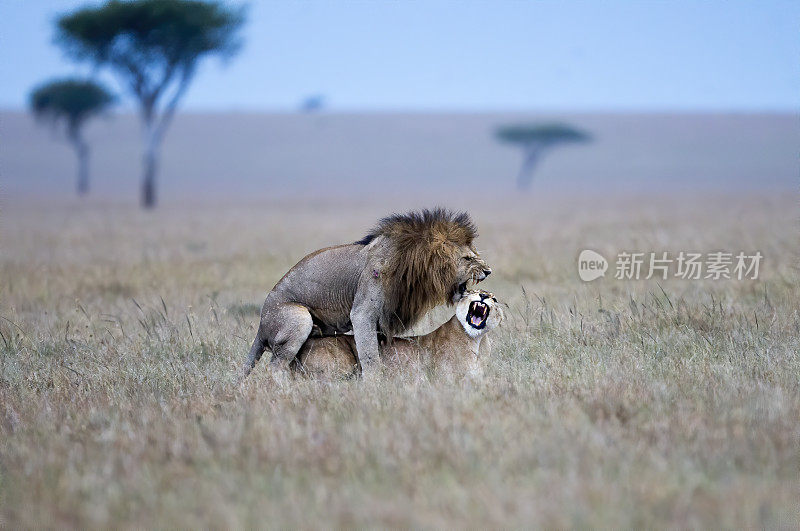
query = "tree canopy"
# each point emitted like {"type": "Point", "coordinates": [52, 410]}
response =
{"type": "Point", "coordinates": [541, 134]}
{"type": "Point", "coordinates": [150, 42]}
{"type": "Point", "coordinates": [72, 101]}
{"type": "Point", "coordinates": [536, 140]}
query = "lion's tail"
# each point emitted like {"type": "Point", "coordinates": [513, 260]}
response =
{"type": "Point", "coordinates": [256, 351]}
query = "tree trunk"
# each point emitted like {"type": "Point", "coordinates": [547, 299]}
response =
{"type": "Point", "coordinates": [525, 177]}
{"type": "Point", "coordinates": [155, 125]}
{"type": "Point", "coordinates": [150, 164]}
{"type": "Point", "coordinates": [83, 169]}
{"type": "Point", "coordinates": [82, 151]}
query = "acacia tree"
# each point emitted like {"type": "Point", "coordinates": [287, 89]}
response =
{"type": "Point", "coordinates": [535, 140]}
{"type": "Point", "coordinates": [70, 103]}
{"type": "Point", "coordinates": [154, 48]}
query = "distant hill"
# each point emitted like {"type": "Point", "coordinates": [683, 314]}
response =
{"type": "Point", "coordinates": [257, 156]}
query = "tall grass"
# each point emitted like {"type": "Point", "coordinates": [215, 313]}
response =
{"type": "Point", "coordinates": [613, 404]}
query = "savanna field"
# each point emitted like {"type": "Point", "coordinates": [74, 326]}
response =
{"type": "Point", "coordinates": [611, 404]}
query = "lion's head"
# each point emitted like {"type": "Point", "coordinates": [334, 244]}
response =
{"type": "Point", "coordinates": [429, 259]}
{"type": "Point", "coordinates": [478, 312]}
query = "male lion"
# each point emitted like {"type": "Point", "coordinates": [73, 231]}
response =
{"type": "Point", "coordinates": [460, 345]}
{"type": "Point", "coordinates": [384, 282]}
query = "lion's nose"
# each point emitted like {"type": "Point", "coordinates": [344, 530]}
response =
{"type": "Point", "coordinates": [487, 272]}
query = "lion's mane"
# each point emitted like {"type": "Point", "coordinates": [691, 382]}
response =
{"type": "Point", "coordinates": [420, 269]}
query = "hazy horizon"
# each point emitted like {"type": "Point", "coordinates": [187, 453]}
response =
{"type": "Point", "coordinates": [260, 156]}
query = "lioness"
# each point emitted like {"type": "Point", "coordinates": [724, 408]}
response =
{"type": "Point", "coordinates": [384, 283]}
{"type": "Point", "coordinates": [460, 344]}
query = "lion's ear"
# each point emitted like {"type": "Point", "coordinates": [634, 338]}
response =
{"type": "Point", "coordinates": [500, 313]}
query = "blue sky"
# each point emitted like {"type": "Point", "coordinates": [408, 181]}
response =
{"type": "Point", "coordinates": [470, 56]}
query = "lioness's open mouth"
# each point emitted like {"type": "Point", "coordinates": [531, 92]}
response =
{"type": "Point", "coordinates": [477, 314]}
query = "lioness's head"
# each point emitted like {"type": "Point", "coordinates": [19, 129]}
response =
{"type": "Point", "coordinates": [428, 260]}
{"type": "Point", "coordinates": [478, 312]}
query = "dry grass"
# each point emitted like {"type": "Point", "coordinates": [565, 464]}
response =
{"type": "Point", "coordinates": [612, 404]}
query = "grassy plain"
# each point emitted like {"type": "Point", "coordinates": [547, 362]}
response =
{"type": "Point", "coordinates": [612, 403]}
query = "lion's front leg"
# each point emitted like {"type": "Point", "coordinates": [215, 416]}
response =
{"type": "Point", "coordinates": [366, 336]}
{"type": "Point", "coordinates": [364, 317]}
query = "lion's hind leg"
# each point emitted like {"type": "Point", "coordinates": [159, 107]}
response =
{"type": "Point", "coordinates": [288, 326]}
{"type": "Point", "coordinates": [283, 329]}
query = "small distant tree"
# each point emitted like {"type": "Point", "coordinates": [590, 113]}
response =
{"type": "Point", "coordinates": [312, 104]}
{"type": "Point", "coordinates": [154, 48]}
{"type": "Point", "coordinates": [536, 140]}
{"type": "Point", "coordinates": [68, 104]}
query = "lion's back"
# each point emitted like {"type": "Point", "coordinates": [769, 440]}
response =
{"type": "Point", "coordinates": [325, 282]}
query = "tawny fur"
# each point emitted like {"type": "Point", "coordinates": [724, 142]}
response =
{"type": "Point", "coordinates": [454, 348]}
{"type": "Point", "coordinates": [384, 283]}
